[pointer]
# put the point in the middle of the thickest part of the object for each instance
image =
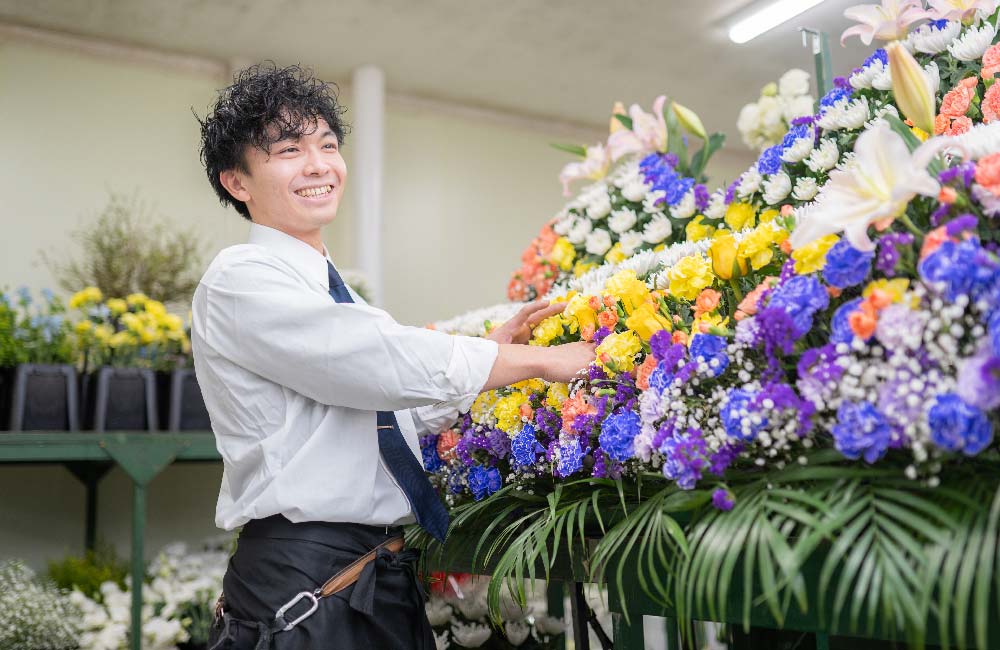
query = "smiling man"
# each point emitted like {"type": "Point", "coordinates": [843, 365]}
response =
{"type": "Point", "coordinates": [316, 398]}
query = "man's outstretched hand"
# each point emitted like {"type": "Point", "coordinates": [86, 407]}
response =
{"type": "Point", "coordinates": [518, 328]}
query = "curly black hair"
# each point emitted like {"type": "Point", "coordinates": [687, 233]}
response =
{"type": "Point", "coordinates": [265, 104]}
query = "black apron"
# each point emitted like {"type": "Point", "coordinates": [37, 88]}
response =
{"type": "Point", "coordinates": [276, 559]}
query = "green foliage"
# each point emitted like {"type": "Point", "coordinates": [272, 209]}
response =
{"type": "Point", "coordinates": [127, 249]}
{"type": "Point", "coordinates": [34, 331]}
{"type": "Point", "coordinates": [88, 572]}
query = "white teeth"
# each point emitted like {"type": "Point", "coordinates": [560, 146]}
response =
{"type": "Point", "coordinates": [315, 191]}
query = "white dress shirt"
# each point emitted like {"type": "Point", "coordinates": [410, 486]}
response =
{"type": "Point", "coordinates": [292, 380]}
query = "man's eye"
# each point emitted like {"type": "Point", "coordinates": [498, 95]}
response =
{"type": "Point", "coordinates": [332, 146]}
{"type": "Point", "coordinates": [289, 150]}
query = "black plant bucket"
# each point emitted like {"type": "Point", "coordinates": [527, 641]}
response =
{"type": "Point", "coordinates": [39, 397]}
{"type": "Point", "coordinates": [180, 404]}
{"type": "Point", "coordinates": [120, 399]}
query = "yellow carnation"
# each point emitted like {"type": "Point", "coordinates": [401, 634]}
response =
{"type": "Point", "coordinates": [646, 320]}
{"type": "Point", "coordinates": [482, 409]}
{"type": "Point", "coordinates": [617, 351]}
{"type": "Point", "coordinates": [103, 333]}
{"type": "Point", "coordinates": [740, 215]}
{"type": "Point", "coordinates": [156, 308]}
{"type": "Point", "coordinates": [757, 245]}
{"type": "Point", "coordinates": [529, 386]}
{"type": "Point", "coordinates": [768, 216]}
{"type": "Point", "coordinates": [86, 296]}
{"type": "Point", "coordinates": [896, 288]}
{"type": "Point", "coordinates": [628, 288]}
{"type": "Point", "coordinates": [615, 255]}
{"type": "Point", "coordinates": [117, 306]}
{"type": "Point", "coordinates": [689, 276]}
{"type": "Point", "coordinates": [556, 395]}
{"type": "Point", "coordinates": [811, 257]}
{"type": "Point", "coordinates": [563, 253]}
{"type": "Point", "coordinates": [84, 327]}
{"type": "Point", "coordinates": [508, 412]}
{"type": "Point", "coordinates": [697, 229]}
{"type": "Point", "coordinates": [579, 311]}
{"type": "Point", "coordinates": [547, 330]}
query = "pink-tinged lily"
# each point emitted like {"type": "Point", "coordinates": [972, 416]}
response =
{"type": "Point", "coordinates": [875, 188]}
{"type": "Point", "coordinates": [886, 22]}
{"type": "Point", "coordinates": [594, 166]}
{"type": "Point", "coordinates": [960, 10]}
{"type": "Point", "coordinates": [648, 132]}
{"type": "Point", "coordinates": [911, 88]}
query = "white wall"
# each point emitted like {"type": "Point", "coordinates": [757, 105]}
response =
{"type": "Point", "coordinates": [464, 194]}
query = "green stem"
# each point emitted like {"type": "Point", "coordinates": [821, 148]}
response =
{"type": "Point", "coordinates": [905, 220]}
{"type": "Point", "coordinates": [736, 290]}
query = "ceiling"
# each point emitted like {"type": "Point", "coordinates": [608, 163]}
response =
{"type": "Point", "coordinates": [559, 60]}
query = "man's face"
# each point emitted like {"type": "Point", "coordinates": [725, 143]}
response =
{"type": "Point", "coordinates": [295, 187]}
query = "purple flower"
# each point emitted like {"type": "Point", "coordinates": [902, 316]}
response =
{"type": "Point", "coordinates": [834, 95]}
{"type": "Point", "coordinates": [801, 297]}
{"type": "Point", "coordinates": [861, 431]}
{"type": "Point", "coordinates": [701, 197]}
{"type": "Point", "coordinates": [720, 461]}
{"type": "Point", "coordinates": [979, 380]}
{"type": "Point", "coordinates": [889, 251]}
{"type": "Point", "coordinates": [722, 499]}
{"type": "Point", "coordinates": [957, 426]}
{"type": "Point", "coordinates": [879, 55]}
{"type": "Point", "coordinates": [840, 327]}
{"type": "Point", "coordinates": [961, 224]}
{"type": "Point", "coordinates": [618, 435]}
{"type": "Point", "coordinates": [525, 447]}
{"type": "Point", "coordinates": [484, 481]}
{"type": "Point", "coordinates": [731, 190]}
{"type": "Point", "coordinates": [708, 348]}
{"type": "Point", "coordinates": [962, 268]}
{"type": "Point", "coordinates": [965, 172]}
{"type": "Point", "coordinates": [846, 266]}
{"type": "Point", "coordinates": [993, 328]}
{"type": "Point", "coordinates": [777, 332]}
{"type": "Point", "coordinates": [684, 457]}
{"type": "Point", "coordinates": [571, 455]}
{"type": "Point", "coordinates": [770, 160]}
{"type": "Point", "coordinates": [797, 132]}
{"type": "Point", "coordinates": [601, 334]}
{"type": "Point", "coordinates": [737, 415]}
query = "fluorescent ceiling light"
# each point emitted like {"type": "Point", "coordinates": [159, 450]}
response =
{"type": "Point", "coordinates": [768, 18]}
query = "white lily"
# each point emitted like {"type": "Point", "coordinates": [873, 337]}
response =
{"type": "Point", "coordinates": [875, 189]}
{"type": "Point", "coordinates": [648, 132]}
{"type": "Point", "coordinates": [594, 166]}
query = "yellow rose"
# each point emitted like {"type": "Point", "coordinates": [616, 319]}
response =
{"type": "Point", "coordinates": [556, 395]}
{"type": "Point", "coordinates": [726, 261]}
{"type": "Point", "coordinates": [617, 351]}
{"type": "Point", "coordinates": [646, 320]}
{"type": "Point", "coordinates": [579, 310]}
{"type": "Point", "coordinates": [117, 306]}
{"type": "Point", "coordinates": [740, 216]}
{"type": "Point", "coordinates": [547, 330]}
{"type": "Point", "coordinates": [811, 257]}
{"type": "Point", "coordinates": [563, 254]}
{"type": "Point", "coordinates": [627, 287]}
{"type": "Point", "coordinates": [697, 229]}
{"type": "Point", "coordinates": [508, 412]}
{"type": "Point", "coordinates": [689, 276]}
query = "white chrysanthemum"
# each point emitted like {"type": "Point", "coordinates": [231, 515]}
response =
{"type": "Point", "coordinates": [824, 157]}
{"type": "Point", "coordinates": [563, 223]}
{"type": "Point", "coordinates": [657, 229]}
{"type": "Point", "coordinates": [797, 107]}
{"type": "Point", "coordinates": [830, 118]}
{"type": "Point", "coordinates": [635, 190]}
{"type": "Point", "coordinates": [793, 83]}
{"type": "Point", "coordinates": [578, 233]}
{"type": "Point", "coordinates": [652, 203]}
{"type": "Point", "coordinates": [776, 188]}
{"type": "Point", "coordinates": [472, 635]}
{"type": "Point", "coordinates": [801, 148]}
{"type": "Point", "coordinates": [438, 611]}
{"type": "Point", "coordinates": [882, 111]}
{"type": "Point", "coordinates": [981, 140]}
{"type": "Point", "coordinates": [932, 40]}
{"type": "Point", "coordinates": [598, 242]}
{"type": "Point", "coordinates": [630, 241]}
{"type": "Point", "coordinates": [749, 182]}
{"type": "Point", "coordinates": [622, 219]}
{"type": "Point", "coordinates": [599, 207]}
{"type": "Point", "coordinates": [685, 207]}
{"type": "Point", "coordinates": [716, 205]}
{"type": "Point", "coordinates": [864, 78]}
{"type": "Point", "coordinates": [973, 43]}
{"type": "Point", "coordinates": [855, 114]}
{"type": "Point", "coordinates": [805, 188]}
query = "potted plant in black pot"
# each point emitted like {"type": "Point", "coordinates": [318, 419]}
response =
{"type": "Point", "coordinates": [38, 389]}
{"type": "Point", "coordinates": [181, 407]}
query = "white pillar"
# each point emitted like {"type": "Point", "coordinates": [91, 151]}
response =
{"type": "Point", "coordinates": [367, 118]}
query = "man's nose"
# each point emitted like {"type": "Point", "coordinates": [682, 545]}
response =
{"type": "Point", "coordinates": [315, 164]}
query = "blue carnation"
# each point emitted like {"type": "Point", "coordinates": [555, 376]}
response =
{"type": "Point", "coordinates": [618, 434]}
{"type": "Point", "coordinates": [957, 426]}
{"type": "Point", "coordinates": [994, 332]}
{"type": "Point", "coordinates": [660, 378]}
{"type": "Point", "coordinates": [708, 347]}
{"type": "Point", "coordinates": [739, 406]}
{"type": "Point", "coordinates": [676, 189]}
{"type": "Point", "coordinates": [861, 431]}
{"type": "Point", "coordinates": [484, 481]}
{"type": "Point", "coordinates": [570, 458]}
{"type": "Point", "coordinates": [963, 268]}
{"type": "Point", "coordinates": [524, 449]}
{"type": "Point", "coordinates": [846, 266]}
{"type": "Point", "coordinates": [432, 462]}
{"type": "Point", "coordinates": [801, 297]}
{"type": "Point", "coordinates": [770, 160]}
{"type": "Point", "coordinates": [840, 327]}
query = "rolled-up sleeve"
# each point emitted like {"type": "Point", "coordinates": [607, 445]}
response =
{"type": "Point", "coordinates": [259, 316]}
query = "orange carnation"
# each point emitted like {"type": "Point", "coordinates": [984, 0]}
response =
{"type": "Point", "coordinates": [988, 172]}
{"type": "Point", "coordinates": [863, 321]}
{"type": "Point", "coordinates": [941, 124]}
{"type": "Point", "coordinates": [644, 371]}
{"type": "Point", "coordinates": [678, 337]}
{"type": "Point", "coordinates": [956, 101]}
{"type": "Point", "coordinates": [933, 241]}
{"type": "Point", "coordinates": [447, 441]}
{"type": "Point", "coordinates": [991, 104]}
{"type": "Point", "coordinates": [991, 61]}
{"type": "Point", "coordinates": [959, 126]}
{"type": "Point", "coordinates": [607, 318]}
{"type": "Point", "coordinates": [706, 301]}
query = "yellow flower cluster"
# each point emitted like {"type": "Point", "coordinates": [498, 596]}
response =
{"type": "Point", "coordinates": [689, 276]}
{"type": "Point", "coordinates": [616, 353]}
{"type": "Point", "coordinates": [628, 288]}
{"type": "Point", "coordinates": [563, 254]}
{"type": "Point", "coordinates": [85, 297]}
{"type": "Point", "coordinates": [508, 412]}
{"type": "Point", "coordinates": [811, 257]}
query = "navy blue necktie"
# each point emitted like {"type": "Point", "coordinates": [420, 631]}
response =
{"type": "Point", "coordinates": [401, 462]}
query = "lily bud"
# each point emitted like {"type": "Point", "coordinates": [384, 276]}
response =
{"type": "Point", "coordinates": [615, 124]}
{"type": "Point", "coordinates": [911, 88]}
{"type": "Point", "coordinates": [689, 120]}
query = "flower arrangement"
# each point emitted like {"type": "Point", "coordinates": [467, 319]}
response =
{"type": "Point", "coordinates": [34, 332]}
{"type": "Point", "coordinates": [763, 123]}
{"type": "Point", "coordinates": [646, 182]}
{"type": "Point", "coordinates": [458, 612]}
{"type": "Point", "coordinates": [135, 331]}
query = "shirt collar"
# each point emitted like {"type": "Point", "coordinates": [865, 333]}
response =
{"type": "Point", "coordinates": [305, 259]}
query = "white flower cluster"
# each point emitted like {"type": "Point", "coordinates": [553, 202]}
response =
{"type": "Point", "coordinates": [473, 323]}
{"type": "Point", "coordinates": [34, 615]}
{"type": "Point", "coordinates": [764, 122]}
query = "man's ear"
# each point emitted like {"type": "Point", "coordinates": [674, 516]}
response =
{"type": "Point", "coordinates": [232, 180]}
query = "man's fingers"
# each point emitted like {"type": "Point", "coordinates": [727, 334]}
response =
{"type": "Point", "coordinates": [551, 310]}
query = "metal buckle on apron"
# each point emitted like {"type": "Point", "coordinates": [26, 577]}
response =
{"type": "Point", "coordinates": [279, 616]}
